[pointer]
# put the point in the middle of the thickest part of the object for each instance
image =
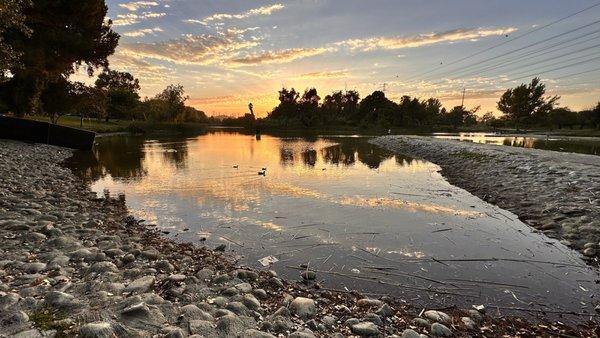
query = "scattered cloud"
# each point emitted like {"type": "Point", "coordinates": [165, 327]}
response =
{"type": "Point", "coordinates": [132, 18]}
{"type": "Point", "coordinates": [280, 56]}
{"type": "Point", "coordinates": [136, 5]}
{"type": "Point", "coordinates": [260, 11]}
{"type": "Point", "coordinates": [192, 49]}
{"type": "Point", "coordinates": [325, 74]}
{"type": "Point", "coordinates": [462, 34]}
{"type": "Point", "coordinates": [143, 32]}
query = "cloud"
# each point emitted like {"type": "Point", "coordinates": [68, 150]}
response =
{"type": "Point", "coordinates": [143, 32]}
{"type": "Point", "coordinates": [260, 11]}
{"type": "Point", "coordinates": [192, 49]}
{"type": "Point", "coordinates": [147, 72]}
{"type": "Point", "coordinates": [132, 18]}
{"type": "Point", "coordinates": [460, 34]}
{"type": "Point", "coordinates": [325, 74]}
{"type": "Point", "coordinates": [136, 5]}
{"type": "Point", "coordinates": [280, 56]}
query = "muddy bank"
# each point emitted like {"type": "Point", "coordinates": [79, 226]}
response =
{"type": "Point", "coordinates": [556, 193]}
{"type": "Point", "coordinates": [75, 264]}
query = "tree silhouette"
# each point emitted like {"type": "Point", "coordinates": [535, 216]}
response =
{"type": "Point", "coordinates": [526, 103]}
{"type": "Point", "coordinates": [121, 90]}
{"type": "Point", "coordinates": [65, 35]}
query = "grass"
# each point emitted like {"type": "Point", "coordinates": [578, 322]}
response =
{"type": "Point", "coordinates": [115, 126]}
{"type": "Point", "coordinates": [46, 321]}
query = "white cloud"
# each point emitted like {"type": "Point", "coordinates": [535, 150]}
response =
{"type": "Point", "coordinates": [260, 11]}
{"type": "Point", "coordinates": [132, 18]}
{"type": "Point", "coordinates": [143, 32]}
{"type": "Point", "coordinates": [280, 56]}
{"type": "Point", "coordinates": [461, 34]}
{"type": "Point", "coordinates": [136, 5]}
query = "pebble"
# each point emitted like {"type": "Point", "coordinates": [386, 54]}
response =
{"type": "Point", "coordinates": [365, 329]}
{"type": "Point", "coordinates": [303, 307]}
{"type": "Point", "coordinates": [440, 330]}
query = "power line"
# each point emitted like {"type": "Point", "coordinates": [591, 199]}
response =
{"type": "Point", "coordinates": [523, 48]}
{"type": "Point", "coordinates": [554, 69]}
{"type": "Point", "coordinates": [533, 54]}
{"type": "Point", "coordinates": [508, 41]}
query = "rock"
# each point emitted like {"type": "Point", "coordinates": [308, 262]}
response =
{"type": "Point", "coordinates": [164, 266]}
{"type": "Point", "coordinates": [385, 311]}
{"type": "Point", "coordinates": [251, 302]}
{"type": "Point", "coordinates": [102, 268]}
{"type": "Point", "coordinates": [365, 329]}
{"type": "Point", "coordinates": [308, 275]}
{"type": "Point", "coordinates": [128, 258]}
{"type": "Point", "coordinates": [191, 311]}
{"type": "Point", "coordinates": [469, 323]}
{"type": "Point", "coordinates": [141, 285]}
{"type": "Point", "coordinates": [440, 330]}
{"type": "Point", "coordinates": [373, 318]}
{"type": "Point", "coordinates": [230, 325]}
{"type": "Point", "coordinates": [437, 316]}
{"type": "Point", "coordinates": [243, 287]}
{"type": "Point", "coordinates": [139, 310]}
{"type": "Point", "coordinates": [303, 307]}
{"type": "Point", "coordinates": [305, 333]}
{"type": "Point", "coordinates": [421, 322]}
{"type": "Point", "coordinates": [589, 252]}
{"type": "Point", "coordinates": [173, 332]}
{"type": "Point", "coordinates": [367, 302]}
{"type": "Point", "coordinates": [61, 301]}
{"type": "Point", "coordinates": [34, 267]}
{"type": "Point", "coordinates": [33, 333]}
{"type": "Point", "coordinates": [97, 330]}
{"type": "Point", "coordinates": [202, 327]}
{"type": "Point", "coordinates": [252, 333]}
{"type": "Point", "coordinates": [408, 333]}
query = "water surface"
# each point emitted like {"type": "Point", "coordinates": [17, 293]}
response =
{"type": "Point", "coordinates": [582, 145]}
{"type": "Point", "coordinates": [362, 217]}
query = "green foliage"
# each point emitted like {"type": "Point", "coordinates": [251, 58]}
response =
{"type": "Point", "coordinates": [11, 19]}
{"type": "Point", "coordinates": [527, 104]}
{"type": "Point", "coordinates": [64, 35]}
{"type": "Point", "coordinates": [121, 90]}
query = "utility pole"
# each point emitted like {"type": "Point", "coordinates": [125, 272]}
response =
{"type": "Point", "coordinates": [462, 104]}
{"type": "Point", "coordinates": [384, 87]}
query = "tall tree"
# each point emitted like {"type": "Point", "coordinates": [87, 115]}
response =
{"type": "Point", "coordinates": [121, 90]}
{"type": "Point", "coordinates": [65, 35]}
{"type": "Point", "coordinates": [527, 103]}
{"type": "Point", "coordinates": [174, 98]}
{"type": "Point", "coordinates": [11, 19]}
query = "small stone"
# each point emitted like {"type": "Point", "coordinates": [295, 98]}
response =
{"type": "Point", "coordinates": [303, 307]}
{"type": "Point", "coordinates": [308, 275]}
{"type": "Point", "coordinates": [139, 310]}
{"type": "Point", "coordinates": [385, 311]}
{"type": "Point", "coordinates": [202, 327]}
{"type": "Point", "coordinates": [368, 302]}
{"type": "Point", "coordinates": [97, 330]}
{"type": "Point", "coordinates": [469, 323]}
{"type": "Point", "coordinates": [244, 287]}
{"type": "Point", "coordinates": [437, 316]}
{"type": "Point", "coordinates": [251, 302]}
{"type": "Point", "coordinates": [34, 267]}
{"type": "Point", "coordinates": [141, 285]}
{"type": "Point", "coordinates": [589, 252]}
{"type": "Point", "coordinates": [252, 333]}
{"type": "Point", "coordinates": [440, 330]}
{"type": "Point", "coordinates": [365, 329]}
{"type": "Point", "coordinates": [408, 333]}
{"type": "Point", "coordinates": [305, 333]}
{"type": "Point", "coordinates": [421, 322]}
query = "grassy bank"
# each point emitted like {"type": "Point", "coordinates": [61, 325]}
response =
{"type": "Point", "coordinates": [116, 126]}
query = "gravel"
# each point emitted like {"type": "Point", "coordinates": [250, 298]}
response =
{"type": "Point", "coordinates": [76, 264]}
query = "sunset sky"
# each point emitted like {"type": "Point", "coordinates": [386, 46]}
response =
{"type": "Point", "coordinates": [229, 53]}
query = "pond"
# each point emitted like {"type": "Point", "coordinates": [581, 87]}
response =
{"type": "Point", "coordinates": [363, 218]}
{"type": "Point", "coordinates": [582, 145]}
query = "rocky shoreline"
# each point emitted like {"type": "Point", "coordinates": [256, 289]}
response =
{"type": "Point", "coordinates": [74, 264]}
{"type": "Point", "coordinates": [556, 193]}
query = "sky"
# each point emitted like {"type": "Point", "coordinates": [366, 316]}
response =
{"type": "Point", "coordinates": [227, 54]}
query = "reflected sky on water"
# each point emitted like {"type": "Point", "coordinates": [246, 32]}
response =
{"type": "Point", "coordinates": [556, 143]}
{"type": "Point", "coordinates": [362, 217]}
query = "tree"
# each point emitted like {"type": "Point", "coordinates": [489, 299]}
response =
{"type": "Point", "coordinates": [376, 108]}
{"type": "Point", "coordinates": [309, 107]}
{"type": "Point", "coordinates": [526, 104]}
{"type": "Point", "coordinates": [174, 98]}
{"type": "Point", "coordinates": [563, 117]}
{"type": "Point", "coordinates": [288, 105]}
{"type": "Point", "coordinates": [11, 19]}
{"type": "Point", "coordinates": [121, 90]}
{"type": "Point", "coordinates": [460, 116]}
{"type": "Point", "coordinates": [65, 35]}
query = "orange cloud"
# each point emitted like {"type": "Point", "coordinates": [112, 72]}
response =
{"type": "Point", "coordinates": [280, 56]}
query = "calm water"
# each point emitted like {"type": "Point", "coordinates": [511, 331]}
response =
{"type": "Point", "coordinates": [364, 218]}
{"type": "Point", "coordinates": [590, 145]}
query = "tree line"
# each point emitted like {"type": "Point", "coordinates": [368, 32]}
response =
{"type": "Point", "coordinates": [522, 107]}
{"type": "Point", "coordinates": [44, 42]}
